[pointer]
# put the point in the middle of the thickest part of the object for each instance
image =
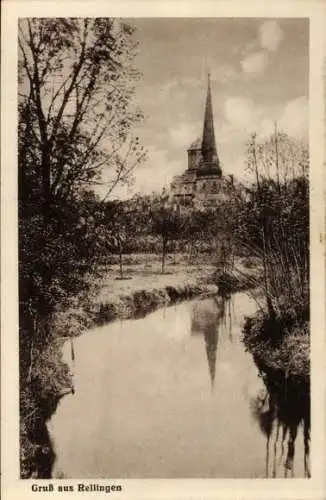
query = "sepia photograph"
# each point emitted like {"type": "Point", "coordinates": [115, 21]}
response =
{"type": "Point", "coordinates": [163, 169]}
{"type": "Point", "coordinates": [163, 258]}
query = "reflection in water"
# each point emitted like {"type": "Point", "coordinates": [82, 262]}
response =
{"type": "Point", "coordinates": [207, 318]}
{"type": "Point", "coordinates": [143, 405]}
{"type": "Point", "coordinates": [282, 410]}
{"type": "Point", "coordinates": [72, 365]}
{"type": "Point", "coordinates": [229, 313]}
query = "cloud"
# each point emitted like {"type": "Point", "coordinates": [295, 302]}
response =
{"type": "Point", "coordinates": [295, 118]}
{"type": "Point", "coordinates": [151, 176]}
{"type": "Point", "coordinates": [265, 126]}
{"type": "Point", "coordinates": [157, 172]}
{"type": "Point", "coordinates": [255, 64]}
{"type": "Point", "coordinates": [270, 35]}
{"type": "Point", "coordinates": [244, 116]}
{"type": "Point", "coordinates": [239, 112]}
{"type": "Point", "coordinates": [182, 135]}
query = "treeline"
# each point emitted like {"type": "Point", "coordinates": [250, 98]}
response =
{"type": "Point", "coordinates": [154, 224]}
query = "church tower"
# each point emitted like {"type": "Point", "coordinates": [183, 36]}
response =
{"type": "Point", "coordinates": [210, 161]}
{"type": "Point", "coordinates": [202, 185]}
{"type": "Point", "coordinates": [202, 154]}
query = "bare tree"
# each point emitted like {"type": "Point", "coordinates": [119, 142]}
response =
{"type": "Point", "coordinates": [76, 82]}
{"type": "Point", "coordinates": [280, 210]}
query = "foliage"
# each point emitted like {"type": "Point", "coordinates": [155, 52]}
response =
{"type": "Point", "coordinates": [274, 225]}
{"type": "Point", "coordinates": [165, 221]}
{"type": "Point", "coordinates": [121, 227]}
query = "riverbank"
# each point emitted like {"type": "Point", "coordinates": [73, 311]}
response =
{"type": "Point", "coordinates": [133, 296]}
{"type": "Point", "coordinates": [142, 290]}
{"type": "Point", "coordinates": [280, 347]}
{"type": "Point", "coordinates": [185, 363]}
{"type": "Point", "coordinates": [288, 354]}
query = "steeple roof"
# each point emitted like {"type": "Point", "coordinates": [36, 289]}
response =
{"type": "Point", "coordinates": [208, 141]}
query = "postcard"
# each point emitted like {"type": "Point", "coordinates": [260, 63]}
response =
{"type": "Point", "coordinates": [163, 270]}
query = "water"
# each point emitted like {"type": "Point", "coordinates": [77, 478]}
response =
{"type": "Point", "coordinates": [171, 395]}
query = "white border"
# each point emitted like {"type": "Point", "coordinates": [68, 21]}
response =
{"type": "Point", "coordinates": [297, 489]}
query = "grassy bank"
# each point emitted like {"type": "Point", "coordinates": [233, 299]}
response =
{"type": "Point", "coordinates": [50, 380]}
{"type": "Point", "coordinates": [287, 353]}
{"type": "Point", "coordinates": [278, 335]}
{"type": "Point", "coordinates": [142, 290]}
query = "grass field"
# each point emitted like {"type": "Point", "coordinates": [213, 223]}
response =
{"type": "Point", "coordinates": [143, 272]}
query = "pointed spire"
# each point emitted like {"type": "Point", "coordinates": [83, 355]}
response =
{"type": "Point", "coordinates": [211, 342]}
{"type": "Point", "coordinates": [208, 142]}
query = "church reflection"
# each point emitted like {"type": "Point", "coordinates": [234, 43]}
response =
{"type": "Point", "coordinates": [210, 317]}
{"type": "Point", "coordinates": [282, 410]}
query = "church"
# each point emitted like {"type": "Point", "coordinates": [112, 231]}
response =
{"type": "Point", "coordinates": [202, 186]}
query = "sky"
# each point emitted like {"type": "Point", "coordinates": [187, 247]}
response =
{"type": "Point", "coordinates": [259, 74]}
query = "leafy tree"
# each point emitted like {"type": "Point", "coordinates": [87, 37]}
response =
{"type": "Point", "coordinates": [199, 229]}
{"type": "Point", "coordinates": [121, 227]}
{"type": "Point", "coordinates": [166, 222]}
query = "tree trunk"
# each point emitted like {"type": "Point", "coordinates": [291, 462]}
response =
{"type": "Point", "coordinates": [120, 259]}
{"type": "Point", "coordinates": [164, 243]}
{"type": "Point", "coordinates": [277, 160]}
{"type": "Point", "coordinates": [46, 180]}
{"type": "Point", "coordinates": [264, 238]}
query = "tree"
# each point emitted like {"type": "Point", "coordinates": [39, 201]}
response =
{"type": "Point", "coordinates": [198, 230]}
{"type": "Point", "coordinates": [76, 81]}
{"type": "Point", "coordinates": [275, 218]}
{"type": "Point", "coordinates": [76, 118]}
{"type": "Point", "coordinates": [120, 217]}
{"type": "Point", "coordinates": [75, 132]}
{"type": "Point", "coordinates": [166, 222]}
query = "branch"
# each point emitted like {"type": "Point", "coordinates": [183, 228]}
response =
{"type": "Point", "coordinates": [75, 74]}
{"type": "Point", "coordinates": [121, 178]}
{"type": "Point", "coordinates": [26, 64]}
{"type": "Point", "coordinates": [57, 93]}
{"type": "Point", "coordinates": [81, 112]}
{"type": "Point", "coordinates": [85, 157]}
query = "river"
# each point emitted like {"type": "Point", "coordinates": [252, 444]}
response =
{"type": "Point", "coordinates": [172, 395]}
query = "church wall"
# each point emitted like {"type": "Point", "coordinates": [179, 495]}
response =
{"type": "Point", "coordinates": [194, 156]}
{"type": "Point", "coordinates": [208, 185]}
{"type": "Point", "coordinates": [201, 193]}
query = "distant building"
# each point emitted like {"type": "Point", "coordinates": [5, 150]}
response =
{"type": "Point", "coordinates": [202, 185]}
